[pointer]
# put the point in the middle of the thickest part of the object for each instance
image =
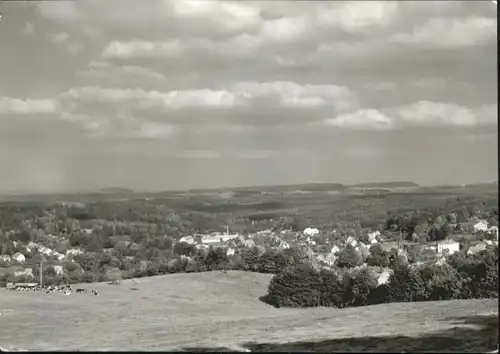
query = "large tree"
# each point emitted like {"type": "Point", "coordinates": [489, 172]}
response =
{"type": "Point", "coordinates": [349, 257]}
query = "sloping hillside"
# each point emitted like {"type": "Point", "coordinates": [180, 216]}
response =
{"type": "Point", "coordinates": [202, 310]}
{"type": "Point", "coordinates": [395, 184]}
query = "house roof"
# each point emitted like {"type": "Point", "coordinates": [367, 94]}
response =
{"type": "Point", "coordinates": [447, 242]}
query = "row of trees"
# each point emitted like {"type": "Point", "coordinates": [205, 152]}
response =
{"type": "Point", "coordinates": [463, 277]}
{"type": "Point", "coordinates": [437, 223]}
{"type": "Point", "coordinates": [87, 267]}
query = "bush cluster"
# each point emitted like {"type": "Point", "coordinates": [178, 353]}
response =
{"type": "Point", "coordinates": [463, 277]}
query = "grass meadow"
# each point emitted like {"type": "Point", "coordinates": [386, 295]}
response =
{"type": "Point", "coordinates": [217, 311]}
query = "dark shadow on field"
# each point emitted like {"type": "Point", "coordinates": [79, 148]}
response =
{"type": "Point", "coordinates": [482, 338]}
{"type": "Point", "coordinates": [205, 349]}
{"type": "Point", "coordinates": [265, 300]}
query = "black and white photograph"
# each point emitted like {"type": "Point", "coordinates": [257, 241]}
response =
{"type": "Point", "coordinates": [249, 176]}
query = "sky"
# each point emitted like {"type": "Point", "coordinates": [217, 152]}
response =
{"type": "Point", "coordinates": [166, 95]}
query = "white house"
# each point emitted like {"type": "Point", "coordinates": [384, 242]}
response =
{"type": "Point", "coordinates": [362, 245]}
{"type": "Point", "coordinates": [335, 249]}
{"type": "Point", "coordinates": [352, 241]}
{"type": "Point", "coordinates": [441, 261]}
{"type": "Point", "coordinates": [311, 231]}
{"type": "Point", "coordinates": [25, 272]}
{"type": "Point", "coordinates": [30, 246]}
{"type": "Point", "coordinates": [373, 236]}
{"type": "Point", "coordinates": [58, 269]}
{"type": "Point", "coordinates": [188, 239]}
{"type": "Point", "coordinates": [330, 259]}
{"type": "Point", "coordinates": [384, 277]}
{"type": "Point", "coordinates": [278, 242]}
{"type": "Point", "coordinates": [448, 245]}
{"type": "Point", "coordinates": [230, 252]}
{"type": "Point", "coordinates": [59, 256]}
{"type": "Point", "coordinates": [481, 225]}
{"type": "Point", "coordinates": [477, 248]}
{"type": "Point", "coordinates": [19, 257]}
{"type": "Point", "coordinates": [73, 252]}
{"type": "Point", "coordinates": [45, 250]}
{"type": "Point", "coordinates": [312, 242]}
{"type": "Point", "coordinates": [208, 239]}
{"type": "Point", "coordinates": [227, 237]}
{"type": "Point", "coordinates": [217, 238]}
{"type": "Point", "coordinates": [249, 243]}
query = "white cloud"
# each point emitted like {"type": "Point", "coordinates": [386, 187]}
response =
{"type": "Point", "coordinates": [358, 16]}
{"type": "Point", "coordinates": [452, 32]}
{"type": "Point", "coordinates": [269, 33]}
{"type": "Point", "coordinates": [96, 17]}
{"type": "Point", "coordinates": [241, 45]}
{"type": "Point", "coordinates": [60, 37]}
{"type": "Point", "coordinates": [94, 125]}
{"type": "Point", "coordinates": [133, 49]}
{"type": "Point", "coordinates": [423, 113]}
{"type": "Point", "coordinates": [362, 119]}
{"type": "Point", "coordinates": [292, 94]}
{"type": "Point", "coordinates": [438, 113]}
{"type": "Point", "coordinates": [282, 30]}
{"type": "Point", "coordinates": [151, 99]}
{"type": "Point", "coordinates": [285, 94]}
{"type": "Point", "coordinates": [64, 11]}
{"type": "Point", "coordinates": [105, 72]}
{"type": "Point", "coordinates": [27, 106]}
{"type": "Point", "coordinates": [266, 34]}
{"type": "Point", "coordinates": [231, 16]}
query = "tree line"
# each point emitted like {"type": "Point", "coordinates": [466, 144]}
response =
{"type": "Point", "coordinates": [462, 277]}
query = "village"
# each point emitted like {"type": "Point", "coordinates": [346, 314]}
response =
{"type": "Point", "coordinates": [436, 251]}
{"type": "Point", "coordinates": [322, 249]}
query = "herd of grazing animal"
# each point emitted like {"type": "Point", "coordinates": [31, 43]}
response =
{"type": "Point", "coordinates": [65, 289]}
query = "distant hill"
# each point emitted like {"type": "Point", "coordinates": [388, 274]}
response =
{"type": "Point", "coordinates": [306, 187]}
{"type": "Point", "coordinates": [117, 190]}
{"type": "Point", "coordinates": [397, 184]}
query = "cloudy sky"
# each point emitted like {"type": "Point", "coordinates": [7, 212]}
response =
{"type": "Point", "coordinates": [157, 95]}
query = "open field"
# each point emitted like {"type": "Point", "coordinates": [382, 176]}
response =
{"type": "Point", "coordinates": [211, 310]}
